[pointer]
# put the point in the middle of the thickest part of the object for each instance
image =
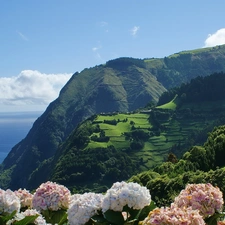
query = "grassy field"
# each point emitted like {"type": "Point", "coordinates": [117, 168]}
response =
{"type": "Point", "coordinates": [195, 51]}
{"type": "Point", "coordinates": [156, 148]}
{"type": "Point", "coordinates": [172, 105]}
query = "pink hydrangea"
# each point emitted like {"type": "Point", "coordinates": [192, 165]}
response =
{"type": "Point", "coordinates": [203, 197]}
{"type": "Point", "coordinates": [25, 197]}
{"type": "Point", "coordinates": [9, 202]}
{"type": "Point", "coordinates": [173, 216]}
{"type": "Point", "coordinates": [51, 196]}
{"type": "Point", "coordinates": [221, 222]}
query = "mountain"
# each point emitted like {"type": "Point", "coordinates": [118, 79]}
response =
{"type": "Point", "coordinates": [112, 147]}
{"type": "Point", "coordinates": [120, 85]}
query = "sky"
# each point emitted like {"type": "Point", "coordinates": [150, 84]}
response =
{"type": "Point", "coordinates": [43, 42]}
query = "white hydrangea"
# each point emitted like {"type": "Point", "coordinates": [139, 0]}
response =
{"type": "Point", "coordinates": [83, 207]}
{"type": "Point", "coordinates": [9, 202]}
{"type": "Point", "coordinates": [121, 194]}
{"type": "Point", "coordinates": [29, 212]}
{"type": "Point", "coordinates": [74, 197]}
{"type": "Point", "coordinates": [32, 212]}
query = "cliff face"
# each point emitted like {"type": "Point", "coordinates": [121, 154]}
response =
{"type": "Point", "coordinates": [123, 84]}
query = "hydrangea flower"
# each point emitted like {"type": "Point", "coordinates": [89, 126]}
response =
{"type": "Point", "coordinates": [25, 197]}
{"type": "Point", "coordinates": [173, 216]}
{"type": "Point", "coordinates": [9, 202]}
{"type": "Point", "coordinates": [74, 197]}
{"type": "Point", "coordinates": [221, 222]}
{"type": "Point", "coordinates": [203, 197]}
{"type": "Point", "coordinates": [83, 207]}
{"type": "Point", "coordinates": [32, 212]}
{"type": "Point", "coordinates": [51, 196]}
{"type": "Point", "coordinates": [121, 194]}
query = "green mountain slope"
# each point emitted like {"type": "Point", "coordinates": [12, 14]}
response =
{"type": "Point", "coordinates": [181, 67]}
{"type": "Point", "coordinates": [201, 164]}
{"type": "Point", "coordinates": [121, 85]}
{"type": "Point", "coordinates": [95, 90]}
{"type": "Point", "coordinates": [110, 147]}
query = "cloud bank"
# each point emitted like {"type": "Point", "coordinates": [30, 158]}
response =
{"type": "Point", "coordinates": [31, 88]}
{"type": "Point", "coordinates": [218, 38]}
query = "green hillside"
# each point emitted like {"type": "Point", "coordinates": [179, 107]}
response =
{"type": "Point", "coordinates": [201, 164]}
{"type": "Point", "coordinates": [120, 85]}
{"type": "Point", "coordinates": [183, 66]}
{"type": "Point", "coordinates": [111, 147]}
{"type": "Point", "coordinates": [172, 105]}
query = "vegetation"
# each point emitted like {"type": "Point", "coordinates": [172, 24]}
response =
{"type": "Point", "coordinates": [110, 147]}
{"type": "Point", "coordinates": [201, 164]}
{"type": "Point", "coordinates": [123, 85]}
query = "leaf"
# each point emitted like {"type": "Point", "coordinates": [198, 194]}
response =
{"type": "Point", "coordinates": [5, 218]}
{"type": "Point", "coordinates": [131, 222]}
{"type": "Point", "coordinates": [99, 220]}
{"type": "Point", "coordinates": [113, 217]}
{"type": "Point", "coordinates": [54, 217]}
{"type": "Point", "coordinates": [132, 212]}
{"type": "Point", "coordinates": [63, 219]}
{"type": "Point", "coordinates": [145, 211]}
{"type": "Point", "coordinates": [212, 220]}
{"type": "Point", "coordinates": [2, 222]}
{"type": "Point", "coordinates": [26, 220]}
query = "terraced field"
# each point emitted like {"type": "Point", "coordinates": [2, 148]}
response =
{"type": "Point", "coordinates": [157, 147]}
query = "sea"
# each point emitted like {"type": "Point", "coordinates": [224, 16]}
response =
{"type": "Point", "coordinates": [14, 126]}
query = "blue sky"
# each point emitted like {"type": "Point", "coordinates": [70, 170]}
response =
{"type": "Point", "coordinates": [44, 42]}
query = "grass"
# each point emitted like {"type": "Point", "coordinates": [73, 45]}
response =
{"type": "Point", "coordinates": [172, 105]}
{"type": "Point", "coordinates": [156, 148]}
{"type": "Point", "coordinates": [197, 51]}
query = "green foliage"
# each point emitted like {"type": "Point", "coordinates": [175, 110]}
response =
{"type": "Point", "coordinates": [52, 217]}
{"type": "Point", "coordinates": [124, 62]}
{"type": "Point", "coordinates": [26, 221]}
{"type": "Point", "coordinates": [102, 165]}
{"type": "Point", "coordinates": [114, 217]}
{"type": "Point", "coordinates": [135, 138]}
{"type": "Point", "coordinates": [200, 89]}
{"type": "Point", "coordinates": [172, 105]}
{"type": "Point", "coordinates": [123, 85]}
{"type": "Point", "coordinates": [215, 147]}
{"type": "Point", "coordinates": [197, 166]}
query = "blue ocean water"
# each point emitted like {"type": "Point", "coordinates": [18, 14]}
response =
{"type": "Point", "coordinates": [14, 127]}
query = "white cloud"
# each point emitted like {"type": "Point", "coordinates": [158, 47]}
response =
{"type": "Point", "coordinates": [218, 38]}
{"type": "Point", "coordinates": [31, 88]}
{"type": "Point", "coordinates": [22, 36]}
{"type": "Point", "coordinates": [134, 30]}
{"type": "Point", "coordinates": [94, 49]}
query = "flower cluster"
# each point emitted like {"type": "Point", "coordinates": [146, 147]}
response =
{"type": "Point", "coordinates": [51, 196]}
{"type": "Point", "coordinates": [32, 212]}
{"type": "Point", "coordinates": [122, 204]}
{"type": "Point", "coordinates": [9, 202]}
{"type": "Point", "coordinates": [203, 197]}
{"type": "Point", "coordinates": [25, 198]}
{"type": "Point", "coordinates": [173, 216]}
{"type": "Point", "coordinates": [121, 194]}
{"type": "Point", "coordinates": [83, 207]}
